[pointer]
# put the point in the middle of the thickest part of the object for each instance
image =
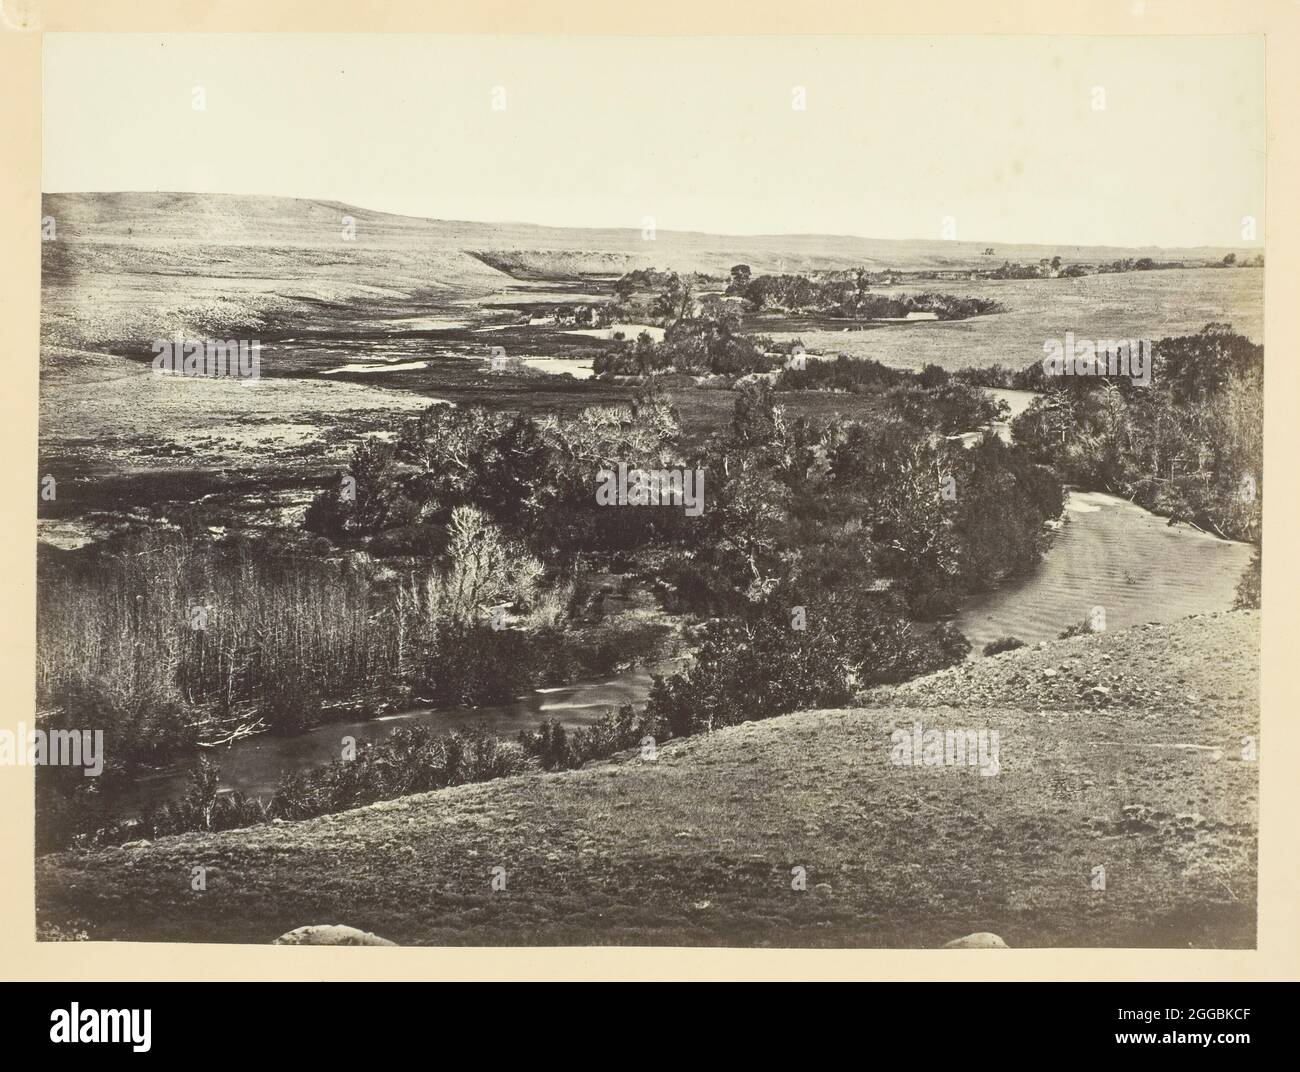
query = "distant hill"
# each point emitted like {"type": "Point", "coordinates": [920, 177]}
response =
{"type": "Point", "coordinates": [127, 268]}
{"type": "Point", "coordinates": [256, 221]}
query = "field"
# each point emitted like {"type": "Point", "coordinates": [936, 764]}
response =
{"type": "Point", "coordinates": [1129, 305]}
{"type": "Point", "coordinates": [357, 333]}
{"type": "Point", "coordinates": [699, 846]}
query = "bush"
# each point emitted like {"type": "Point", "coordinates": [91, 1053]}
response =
{"type": "Point", "coordinates": [204, 808]}
{"type": "Point", "coordinates": [1248, 588]}
{"type": "Point", "coordinates": [414, 759]}
{"type": "Point", "coordinates": [292, 703]}
{"type": "Point", "coordinates": [1081, 628]}
{"type": "Point", "coordinates": [474, 665]}
{"type": "Point", "coordinates": [549, 746]}
{"type": "Point", "coordinates": [1006, 643]}
{"type": "Point", "coordinates": [616, 731]}
{"type": "Point", "coordinates": [749, 670]}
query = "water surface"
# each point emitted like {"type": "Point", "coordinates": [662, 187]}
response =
{"type": "Point", "coordinates": [1113, 554]}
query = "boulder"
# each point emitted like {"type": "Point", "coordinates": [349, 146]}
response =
{"type": "Point", "coordinates": [980, 940]}
{"type": "Point", "coordinates": [330, 934]}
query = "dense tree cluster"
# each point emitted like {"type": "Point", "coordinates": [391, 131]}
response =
{"type": "Point", "coordinates": [709, 344]}
{"type": "Point", "coordinates": [1189, 446]}
{"type": "Point", "coordinates": [828, 548]}
{"type": "Point", "coordinates": [931, 399]}
{"type": "Point", "coordinates": [851, 298]}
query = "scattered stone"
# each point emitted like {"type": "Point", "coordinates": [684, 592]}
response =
{"type": "Point", "coordinates": [1136, 820]}
{"type": "Point", "coordinates": [330, 934]}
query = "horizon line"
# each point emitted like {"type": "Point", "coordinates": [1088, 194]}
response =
{"type": "Point", "coordinates": [1258, 247]}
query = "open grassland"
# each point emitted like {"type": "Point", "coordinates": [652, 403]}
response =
{"type": "Point", "coordinates": [698, 846]}
{"type": "Point", "coordinates": [357, 333]}
{"type": "Point", "coordinates": [1127, 305]}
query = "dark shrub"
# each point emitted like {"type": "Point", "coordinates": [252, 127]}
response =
{"type": "Point", "coordinates": [1248, 587]}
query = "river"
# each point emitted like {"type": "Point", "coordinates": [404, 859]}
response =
{"type": "Point", "coordinates": [1112, 554]}
{"type": "Point", "coordinates": [1106, 553]}
{"type": "Point", "coordinates": [255, 765]}
{"type": "Point", "coordinates": [1017, 402]}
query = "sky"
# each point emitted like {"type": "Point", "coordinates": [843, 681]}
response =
{"type": "Point", "coordinates": [998, 138]}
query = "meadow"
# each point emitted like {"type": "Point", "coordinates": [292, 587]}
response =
{"type": "Point", "coordinates": [431, 298]}
{"type": "Point", "coordinates": [1128, 305]}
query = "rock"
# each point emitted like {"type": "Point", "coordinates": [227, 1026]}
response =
{"type": "Point", "coordinates": [138, 844]}
{"type": "Point", "coordinates": [1136, 820]}
{"type": "Point", "coordinates": [981, 940]}
{"type": "Point", "coordinates": [823, 889]}
{"type": "Point", "coordinates": [1049, 672]}
{"type": "Point", "coordinates": [330, 934]}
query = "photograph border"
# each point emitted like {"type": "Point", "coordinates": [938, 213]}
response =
{"type": "Point", "coordinates": [22, 25]}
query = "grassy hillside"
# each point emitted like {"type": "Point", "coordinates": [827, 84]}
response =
{"type": "Point", "coordinates": [127, 268]}
{"type": "Point", "coordinates": [698, 846]}
{"type": "Point", "coordinates": [269, 221]}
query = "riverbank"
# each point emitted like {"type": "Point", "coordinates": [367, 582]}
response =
{"type": "Point", "coordinates": [700, 846]}
{"type": "Point", "coordinates": [256, 765]}
{"type": "Point", "coordinates": [1113, 554]}
{"type": "Point", "coordinates": [1089, 563]}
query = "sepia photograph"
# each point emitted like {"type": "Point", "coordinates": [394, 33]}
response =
{"type": "Point", "coordinates": [756, 492]}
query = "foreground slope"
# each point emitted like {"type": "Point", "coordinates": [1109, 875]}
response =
{"type": "Point", "coordinates": [697, 847]}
